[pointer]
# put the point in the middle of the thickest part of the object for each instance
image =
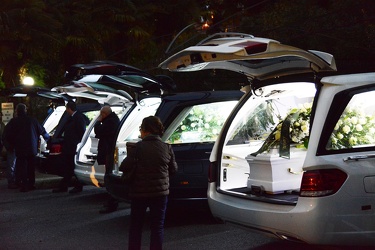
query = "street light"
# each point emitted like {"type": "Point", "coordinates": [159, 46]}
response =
{"type": "Point", "coordinates": [28, 81]}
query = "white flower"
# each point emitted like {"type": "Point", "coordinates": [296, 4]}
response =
{"type": "Point", "coordinates": [183, 127]}
{"type": "Point", "coordinates": [295, 139]}
{"type": "Point", "coordinates": [354, 120]}
{"type": "Point", "coordinates": [305, 128]}
{"type": "Point", "coordinates": [193, 124]}
{"type": "Point", "coordinates": [362, 120]}
{"type": "Point", "coordinates": [352, 140]}
{"type": "Point", "coordinates": [340, 136]}
{"type": "Point", "coordinates": [358, 127]}
{"type": "Point", "coordinates": [346, 129]}
{"type": "Point", "coordinates": [206, 125]}
{"type": "Point", "coordinates": [334, 140]}
{"type": "Point", "coordinates": [347, 120]}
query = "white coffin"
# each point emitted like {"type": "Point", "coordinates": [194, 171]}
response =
{"type": "Point", "coordinates": [275, 174]}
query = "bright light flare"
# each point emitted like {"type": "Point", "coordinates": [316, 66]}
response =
{"type": "Point", "coordinates": [29, 81]}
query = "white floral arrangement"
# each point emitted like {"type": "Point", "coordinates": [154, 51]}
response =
{"type": "Point", "coordinates": [298, 133]}
{"type": "Point", "coordinates": [353, 128]}
{"type": "Point", "coordinates": [299, 129]}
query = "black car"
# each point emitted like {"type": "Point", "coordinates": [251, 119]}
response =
{"type": "Point", "coordinates": [192, 122]}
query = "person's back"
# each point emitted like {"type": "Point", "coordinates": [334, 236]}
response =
{"type": "Point", "coordinates": [23, 134]}
{"type": "Point", "coordinates": [152, 178]}
{"type": "Point", "coordinates": [73, 132]}
{"type": "Point", "coordinates": [154, 162]}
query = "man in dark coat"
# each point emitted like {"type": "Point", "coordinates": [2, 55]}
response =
{"type": "Point", "coordinates": [106, 130]}
{"type": "Point", "coordinates": [72, 133]}
{"type": "Point", "coordinates": [23, 134]}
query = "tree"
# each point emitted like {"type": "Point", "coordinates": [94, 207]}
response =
{"type": "Point", "coordinates": [26, 33]}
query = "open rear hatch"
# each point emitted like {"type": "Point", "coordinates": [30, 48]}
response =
{"type": "Point", "coordinates": [257, 58]}
{"type": "Point", "coordinates": [121, 74]}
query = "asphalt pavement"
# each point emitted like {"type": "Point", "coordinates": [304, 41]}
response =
{"type": "Point", "coordinates": [42, 180]}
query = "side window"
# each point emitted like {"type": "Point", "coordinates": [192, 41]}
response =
{"type": "Point", "coordinates": [200, 123]}
{"type": "Point", "coordinates": [263, 122]}
{"type": "Point", "coordinates": [91, 114]}
{"type": "Point", "coordinates": [356, 126]}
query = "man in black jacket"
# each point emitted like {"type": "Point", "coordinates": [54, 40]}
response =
{"type": "Point", "coordinates": [73, 131]}
{"type": "Point", "coordinates": [22, 135]}
{"type": "Point", "coordinates": [106, 130]}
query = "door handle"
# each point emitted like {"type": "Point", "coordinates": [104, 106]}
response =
{"type": "Point", "coordinates": [359, 157]}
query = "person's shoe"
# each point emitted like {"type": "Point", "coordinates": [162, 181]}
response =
{"type": "Point", "coordinates": [106, 210]}
{"type": "Point", "coordinates": [75, 190]}
{"type": "Point", "coordinates": [13, 186]}
{"type": "Point", "coordinates": [60, 190]}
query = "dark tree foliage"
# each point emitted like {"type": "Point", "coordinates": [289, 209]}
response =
{"type": "Point", "coordinates": [44, 37]}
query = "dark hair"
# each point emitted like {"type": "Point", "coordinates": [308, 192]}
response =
{"type": "Point", "coordinates": [72, 105]}
{"type": "Point", "coordinates": [21, 109]}
{"type": "Point", "coordinates": [153, 125]}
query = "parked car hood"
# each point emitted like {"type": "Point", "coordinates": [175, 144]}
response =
{"type": "Point", "coordinates": [257, 58]}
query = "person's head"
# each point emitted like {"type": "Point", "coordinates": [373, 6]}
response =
{"type": "Point", "coordinates": [21, 109]}
{"type": "Point", "coordinates": [151, 125]}
{"type": "Point", "coordinates": [105, 111]}
{"type": "Point", "coordinates": [71, 107]}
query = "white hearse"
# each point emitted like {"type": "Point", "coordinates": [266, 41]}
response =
{"type": "Point", "coordinates": [296, 157]}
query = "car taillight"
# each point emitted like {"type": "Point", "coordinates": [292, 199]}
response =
{"type": "Point", "coordinates": [323, 182]}
{"type": "Point", "coordinates": [212, 172]}
{"type": "Point", "coordinates": [55, 149]}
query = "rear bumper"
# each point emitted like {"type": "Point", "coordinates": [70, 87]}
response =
{"type": "Point", "coordinates": [321, 221]}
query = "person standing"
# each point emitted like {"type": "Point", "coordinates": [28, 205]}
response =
{"type": "Point", "coordinates": [13, 182]}
{"type": "Point", "coordinates": [154, 162]}
{"type": "Point", "coordinates": [22, 134]}
{"type": "Point", "coordinates": [72, 133]}
{"type": "Point", "coordinates": [106, 130]}
{"type": "Point", "coordinates": [2, 127]}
